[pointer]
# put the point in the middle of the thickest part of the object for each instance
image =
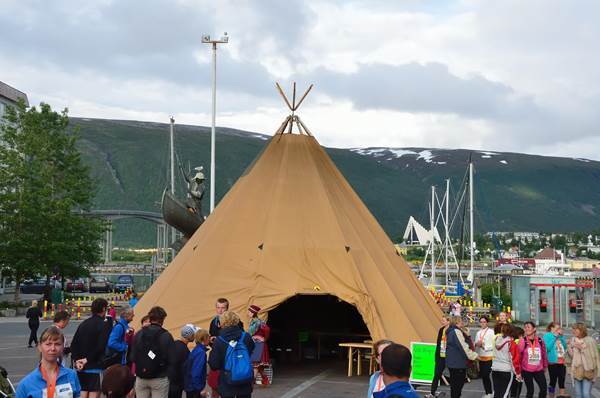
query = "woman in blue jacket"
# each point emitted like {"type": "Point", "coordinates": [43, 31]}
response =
{"type": "Point", "coordinates": [50, 379]}
{"type": "Point", "coordinates": [195, 366]}
{"type": "Point", "coordinates": [556, 346]}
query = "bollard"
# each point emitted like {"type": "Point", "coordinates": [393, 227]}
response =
{"type": "Point", "coordinates": [45, 309]}
{"type": "Point", "coordinates": [52, 311]}
{"type": "Point", "coordinates": [79, 308]}
{"type": "Point", "coordinates": [60, 307]}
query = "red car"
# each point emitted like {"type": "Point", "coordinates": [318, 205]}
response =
{"type": "Point", "coordinates": [78, 285]}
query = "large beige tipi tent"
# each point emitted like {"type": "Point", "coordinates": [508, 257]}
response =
{"type": "Point", "coordinates": [292, 225]}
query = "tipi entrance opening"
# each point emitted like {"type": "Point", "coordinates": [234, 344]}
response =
{"type": "Point", "coordinates": [308, 328]}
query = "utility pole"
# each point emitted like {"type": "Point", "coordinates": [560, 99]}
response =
{"type": "Point", "coordinates": [172, 165]}
{"type": "Point", "coordinates": [223, 40]}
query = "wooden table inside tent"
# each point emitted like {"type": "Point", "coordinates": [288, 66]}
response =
{"type": "Point", "coordinates": [337, 334]}
{"type": "Point", "coordinates": [356, 348]}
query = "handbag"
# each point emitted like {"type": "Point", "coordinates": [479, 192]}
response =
{"type": "Point", "coordinates": [111, 357]}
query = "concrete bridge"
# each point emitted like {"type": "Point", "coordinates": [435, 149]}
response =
{"type": "Point", "coordinates": [162, 231]}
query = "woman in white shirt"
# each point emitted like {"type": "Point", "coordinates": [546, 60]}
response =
{"type": "Point", "coordinates": [484, 346]}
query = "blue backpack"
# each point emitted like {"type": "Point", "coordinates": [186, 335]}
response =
{"type": "Point", "coordinates": [238, 369]}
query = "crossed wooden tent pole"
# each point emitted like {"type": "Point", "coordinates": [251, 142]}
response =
{"type": "Point", "coordinates": [289, 121]}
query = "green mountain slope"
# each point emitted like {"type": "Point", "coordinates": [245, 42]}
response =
{"type": "Point", "coordinates": [513, 191]}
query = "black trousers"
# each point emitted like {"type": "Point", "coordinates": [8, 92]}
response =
{"type": "Point", "coordinates": [33, 328]}
{"type": "Point", "coordinates": [440, 365]}
{"type": "Point", "coordinates": [557, 372]}
{"type": "Point", "coordinates": [515, 389]}
{"type": "Point", "coordinates": [503, 382]}
{"type": "Point", "coordinates": [457, 381]}
{"type": "Point", "coordinates": [175, 391]}
{"type": "Point", "coordinates": [485, 371]}
{"type": "Point", "coordinates": [540, 379]}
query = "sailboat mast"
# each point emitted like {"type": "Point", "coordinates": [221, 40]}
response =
{"type": "Point", "coordinates": [471, 215]}
{"type": "Point", "coordinates": [446, 227]}
{"type": "Point", "coordinates": [172, 171]}
{"type": "Point", "coordinates": [432, 223]}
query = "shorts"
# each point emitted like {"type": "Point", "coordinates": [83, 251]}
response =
{"type": "Point", "coordinates": [89, 381]}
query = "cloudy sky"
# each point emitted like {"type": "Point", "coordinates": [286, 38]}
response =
{"type": "Point", "coordinates": [509, 75]}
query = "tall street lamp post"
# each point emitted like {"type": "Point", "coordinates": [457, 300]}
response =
{"type": "Point", "coordinates": [206, 39]}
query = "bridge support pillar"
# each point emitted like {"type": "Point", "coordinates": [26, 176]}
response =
{"type": "Point", "coordinates": [162, 239]}
{"type": "Point", "coordinates": [108, 242]}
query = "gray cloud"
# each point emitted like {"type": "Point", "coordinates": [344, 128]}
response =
{"type": "Point", "coordinates": [151, 46]}
{"type": "Point", "coordinates": [426, 88]}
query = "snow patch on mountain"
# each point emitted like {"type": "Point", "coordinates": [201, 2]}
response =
{"type": "Point", "coordinates": [401, 152]}
{"type": "Point", "coordinates": [377, 152]}
{"type": "Point", "coordinates": [427, 155]}
{"type": "Point", "coordinates": [503, 162]}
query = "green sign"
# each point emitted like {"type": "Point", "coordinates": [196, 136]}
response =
{"type": "Point", "coordinates": [423, 362]}
{"type": "Point", "coordinates": [302, 337]}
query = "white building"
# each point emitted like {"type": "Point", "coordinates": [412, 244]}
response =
{"type": "Point", "coordinates": [416, 234]}
{"type": "Point", "coordinates": [9, 96]}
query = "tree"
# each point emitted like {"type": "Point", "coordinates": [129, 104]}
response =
{"type": "Point", "coordinates": [43, 185]}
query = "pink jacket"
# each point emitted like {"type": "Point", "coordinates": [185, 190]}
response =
{"type": "Point", "coordinates": [524, 346]}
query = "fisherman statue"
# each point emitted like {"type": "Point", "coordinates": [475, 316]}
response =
{"type": "Point", "coordinates": [195, 190]}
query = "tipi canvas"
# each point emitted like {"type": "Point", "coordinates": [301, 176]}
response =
{"type": "Point", "coordinates": [292, 225]}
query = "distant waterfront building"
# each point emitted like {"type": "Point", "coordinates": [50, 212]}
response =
{"type": "Point", "coordinates": [527, 235]}
{"type": "Point", "coordinates": [516, 235]}
{"type": "Point", "coordinates": [564, 299]}
{"type": "Point", "coordinates": [513, 252]}
{"type": "Point", "coordinates": [416, 234]}
{"type": "Point", "coordinates": [549, 254]}
{"type": "Point", "coordinates": [401, 248]}
{"type": "Point", "coordinates": [583, 264]}
{"type": "Point", "coordinates": [9, 96]}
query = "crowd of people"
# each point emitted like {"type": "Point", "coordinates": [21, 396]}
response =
{"type": "Point", "coordinates": [107, 356]}
{"type": "Point", "coordinates": [509, 356]}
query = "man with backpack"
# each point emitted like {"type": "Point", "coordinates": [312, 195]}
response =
{"type": "Point", "coordinates": [151, 352]}
{"type": "Point", "coordinates": [87, 349]}
{"type": "Point", "coordinates": [231, 356]}
{"type": "Point", "coordinates": [116, 350]}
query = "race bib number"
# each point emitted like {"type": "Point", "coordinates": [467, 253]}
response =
{"type": "Point", "coordinates": [60, 391]}
{"type": "Point", "coordinates": [535, 356]}
{"type": "Point", "coordinates": [63, 391]}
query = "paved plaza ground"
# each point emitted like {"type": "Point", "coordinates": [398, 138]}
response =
{"type": "Point", "coordinates": [309, 380]}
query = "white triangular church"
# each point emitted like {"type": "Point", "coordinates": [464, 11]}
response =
{"type": "Point", "coordinates": [416, 234]}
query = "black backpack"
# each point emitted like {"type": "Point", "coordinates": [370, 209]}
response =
{"type": "Point", "coordinates": [149, 360]}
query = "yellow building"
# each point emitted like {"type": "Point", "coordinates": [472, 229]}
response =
{"type": "Point", "coordinates": [583, 264]}
{"type": "Point", "coordinates": [401, 248]}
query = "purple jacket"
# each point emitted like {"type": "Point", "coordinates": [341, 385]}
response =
{"type": "Point", "coordinates": [524, 347]}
